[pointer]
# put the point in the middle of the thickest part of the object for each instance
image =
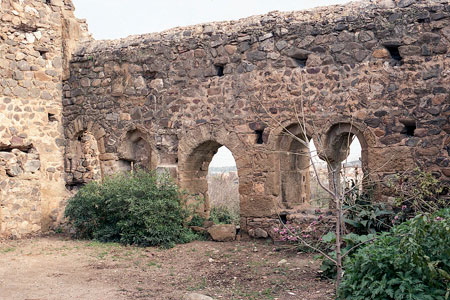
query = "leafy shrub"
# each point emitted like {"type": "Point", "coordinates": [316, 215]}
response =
{"type": "Point", "coordinates": [412, 261]}
{"type": "Point", "coordinates": [142, 209]}
{"type": "Point", "coordinates": [363, 216]}
{"type": "Point", "coordinates": [349, 243]}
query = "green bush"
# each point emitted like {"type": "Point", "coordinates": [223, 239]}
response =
{"type": "Point", "coordinates": [412, 261]}
{"type": "Point", "coordinates": [140, 209]}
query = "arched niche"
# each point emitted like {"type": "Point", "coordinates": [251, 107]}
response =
{"type": "Point", "coordinates": [134, 151]}
{"type": "Point", "coordinates": [84, 147]}
{"type": "Point", "coordinates": [294, 166]}
{"type": "Point", "coordinates": [82, 160]}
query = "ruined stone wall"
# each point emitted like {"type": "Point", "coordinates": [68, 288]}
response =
{"type": "Point", "coordinates": [377, 72]}
{"type": "Point", "coordinates": [33, 56]}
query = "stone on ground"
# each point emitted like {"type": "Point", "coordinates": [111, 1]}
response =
{"type": "Point", "coordinates": [222, 232]}
{"type": "Point", "coordinates": [195, 296]}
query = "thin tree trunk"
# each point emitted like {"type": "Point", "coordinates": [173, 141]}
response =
{"type": "Point", "coordinates": [338, 202]}
{"type": "Point", "coordinates": [338, 242]}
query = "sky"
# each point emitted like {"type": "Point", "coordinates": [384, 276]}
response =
{"type": "Point", "coordinates": [112, 19]}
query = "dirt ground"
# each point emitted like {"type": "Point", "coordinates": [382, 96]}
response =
{"type": "Point", "coordinates": [59, 268]}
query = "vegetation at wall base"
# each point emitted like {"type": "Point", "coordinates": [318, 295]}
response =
{"type": "Point", "coordinates": [142, 208]}
{"type": "Point", "coordinates": [223, 215]}
{"type": "Point", "coordinates": [410, 262]}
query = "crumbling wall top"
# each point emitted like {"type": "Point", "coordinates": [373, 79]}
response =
{"type": "Point", "coordinates": [356, 14]}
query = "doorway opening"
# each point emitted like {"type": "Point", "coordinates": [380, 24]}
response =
{"type": "Point", "coordinates": [223, 188]}
{"type": "Point", "coordinates": [214, 183]}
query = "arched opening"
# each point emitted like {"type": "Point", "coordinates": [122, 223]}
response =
{"type": "Point", "coordinates": [223, 188]}
{"type": "Point", "coordinates": [346, 151]}
{"type": "Point", "coordinates": [294, 167]}
{"type": "Point", "coordinates": [194, 173]}
{"type": "Point", "coordinates": [134, 152]}
{"type": "Point", "coordinates": [352, 173]}
{"type": "Point", "coordinates": [83, 164]}
{"type": "Point", "coordinates": [318, 175]}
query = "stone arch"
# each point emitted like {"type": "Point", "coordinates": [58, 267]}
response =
{"type": "Point", "coordinates": [135, 150]}
{"type": "Point", "coordinates": [335, 148]}
{"type": "Point", "coordinates": [293, 164]}
{"type": "Point", "coordinates": [84, 149]}
{"type": "Point", "coordinates": [336, 142]}
{"type": "Point", "coordinates": [196, 150]}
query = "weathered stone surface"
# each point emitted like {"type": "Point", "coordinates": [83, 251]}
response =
{"type": "Point", "coordinates": [258, 233]}
{"type": "Point", "coordinates": [222, 232]}
{"type": "Point", "coordinates": [196, 296]}
{"type": "Point", "coordinates": [31, 198]}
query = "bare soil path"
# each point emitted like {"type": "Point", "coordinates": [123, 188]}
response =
{"type": "Point", "coordinates": [54, 268]}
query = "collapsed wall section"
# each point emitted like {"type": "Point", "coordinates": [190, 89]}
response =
{"type": "Point", "coordinates": [32, 56]}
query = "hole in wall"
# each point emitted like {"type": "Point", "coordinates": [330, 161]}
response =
{"type": "Point", "coordinates": [150, 75]}
{"type": "Point", "coordinates": [219, 70]}
{"type": "Point", "coordinates": [409, 130]}
{"type": "Point", "coordinates": [27, 148]}
{"type": "Point", "coordinates": [409, 127]}
{"type": "Point", "coordinates": [424, 20]}
{"type": "Point", "coordinates": [48, 1]}
{"type": "Point", "coordinates": [395, 54]}
{"type": "Point", "coordinates": [52, 118]}
{"type": "Point", "coordinates": [283, 217]}
{"type": "Point", "coordinates": [26, 27]}
{"type": "Point", "coordinates": [301, 62]}
{"type": "Point", "coordinates": [43, 53]}
{"type": "Point", "coordinates": [259, 136]}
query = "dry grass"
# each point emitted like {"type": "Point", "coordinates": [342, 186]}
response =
{"type": "Point", "coordinates": [223, 192]}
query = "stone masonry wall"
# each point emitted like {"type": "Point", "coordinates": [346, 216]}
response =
{"type": "Point", "coordinates": [379, 72]}
{"type": "Point", "coordinates": [33, 56]}
{"type": "Point", "coordinates": [73, 110]}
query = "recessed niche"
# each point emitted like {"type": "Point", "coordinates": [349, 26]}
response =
{"type": "Point", "coordinates": [283, 218]}
{"type": "Point", "coordinates": [409, 127]}
{"type": "Point", "coordinates": [52, 118]}
{"type": "Point", "coordinates": [301, 62]}
{"type": "Point", "coordinates": [219, 70]}
{"type": "Point", "coordinates": [259, 136]}
{"type": "Point", "coordinates": [395, 55]}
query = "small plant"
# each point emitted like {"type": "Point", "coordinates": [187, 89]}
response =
{"type": "Point", "coordinates": [196, 221]}
{"type": "Point", "coordinates": [419, 192]}
{"type": "Point", "coordinates": [363, 216]}
{"type": "Point", "coordinates": [222, 215]}
{"type": "Point", "coordinates": [142, 208]}
{"type": "Point", "coordinates": [412, 262]}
